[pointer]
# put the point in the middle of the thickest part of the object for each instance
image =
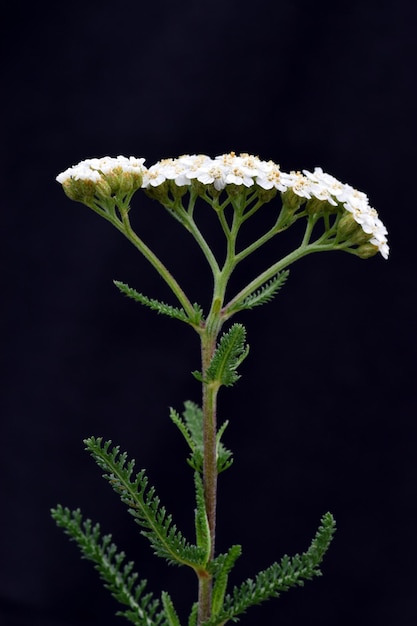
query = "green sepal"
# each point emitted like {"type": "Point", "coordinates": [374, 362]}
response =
{"type": "Point", "coordinates": [202, 528]}
{"type": "Point", "coordinates": [191, 427]}
{"type": "Point", "coordinates": [221, 568]}
{"type": "Point", "coordinates": [289, 572]}
{"type": "Point", "coordinates": [262, 295]}
{"type": "Point", "coordinates": [229, 354]}
{"type": "Point", "coordinates": [162, 307]}
{"type": "Point", "coordinates": [144, 505]}
{"type": "Point", "coordinates": [117, 575]}
{"type": "Point", "coordinates": [170, 612]}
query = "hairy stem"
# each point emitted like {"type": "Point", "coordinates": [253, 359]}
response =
{"type": "Point", "coordinates": [208, 346]}
{"type": "Point", "coordinates": [209, 336]}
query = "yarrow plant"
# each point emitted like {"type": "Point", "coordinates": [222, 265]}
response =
{"type": "Point", "coordinates": [236, 187]}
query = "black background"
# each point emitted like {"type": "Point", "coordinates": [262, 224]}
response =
{"type": "Point", "coordinates": [324, 415]}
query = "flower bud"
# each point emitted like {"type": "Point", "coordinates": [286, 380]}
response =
{"type": "Point", "coordinates": [202, 189]}
{"type": "Point", "coordinates": [234, 191]}
{"type": "Point", "coordinates": [318, 206]}
{"type": "Point", "coordinates": [177, 191]}
{"type": "Point", "coordinates": [112, 177]}
{"type": "Point", "coordinates": [125, 182]}
{"type": "Point", "coordinates": [360, 236]}
{"type": "Point", "coordinates": [102, 188]}
{"type": "Point", "coordinates": [79, 190]}
{"type": "Point", "coordinates": [136, 179]}
{"type": "Point", "coordinates": [266, 195]}
{"type": "Point", "coordinates": [291, 200]}
{"type": "Point", "coordinates": [346, 226]}
{"type": "Point", "coordinates": [366, 251]}
{"type": "Point", "coordinates": [159, 192]}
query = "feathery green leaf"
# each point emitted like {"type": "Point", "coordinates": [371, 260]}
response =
{"type": "Point", "coordinates": [183, 428]}
{"type": "Point", "coordinates": [222, 566]}
{"type": "Point", "coordinates": [192, 619]}
{"type": "Point", "coordinates": [170, 612]}
{"type": "Point", "coordinates": [191, 427]}
{"type": "Point", "coordinates": [161, 307]}
{"type": "Point", "coordinates": [224, 456]}
{"type": "Point", "coordinates": [264, 294]}
{"type": "Point", "coordinates": [201, 521]}
{"type": "Point", "coordinates": [167, 541]}
{"type": "Point", "coordinates": [229, 354]}
{"type": "Point", "coordinates": [117, 575]}
{"type": "Point", "coordinates": [193, 416]}
{"type": "Point", "coordinates": [290, 572]}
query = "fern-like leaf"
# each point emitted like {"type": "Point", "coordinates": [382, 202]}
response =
{"type": "Point", "coordinates": [117, 575]}
{"type": "Point", "coordinates": [202, 527]}
{"type": "Point", "coordinates": [190, 425]}
{"type": "Point", "coordinates": [193, 417]}
{"type": "Point", "coordinates": [264, 294]}
{"type": "Point", "coordinates": [290, 572]}
{"type": "Point", "coordinates": [224, 456]}
{"type": "Point", "coordinates": [192, 436]}
{"type": "Point", "coordinates": [144, 505]}
{"type": "Point", "coordinates": [161, 307]}
{"type": "Point", "coordinates": [229, 354]}
{"type": "Point", "coordinates": [221, 568]}
{"type": "Point", "coordinates": [192, 619]}
{"type": "Point", "coordinates": [170, 612]}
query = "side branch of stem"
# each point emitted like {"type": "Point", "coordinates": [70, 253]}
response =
{"type": "Point", "coordinates": [162, 270]}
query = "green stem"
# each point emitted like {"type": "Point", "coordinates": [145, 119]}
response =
{"type": "Point", "coordinates": [280, 225]}
{"type": "Point", "coordinates": [210, 473]}
{"type": "Point", "coordinates": [311, 222]}
{"type": "Point", "coordinates": [258, 243]}
{"type": "Point", "coordinates": [272, 271]}
{"type": "Point", "coordinates": [210, 392]}
{"type": "Point", "coordinates": [209, 337]}
{"type": "Point", "coordinates": [195, 231]}
{"type": "Point", "coordinates": [204, 599]}
{"type": "Point", "coordinates": [125, 228]}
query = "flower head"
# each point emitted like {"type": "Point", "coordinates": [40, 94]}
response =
{"type": "Point", "coordinates": [356, 203]}
{"type": "Point", "coordinates": [302, 193]}
{"type": "Point", "coordinates": [104, 177]}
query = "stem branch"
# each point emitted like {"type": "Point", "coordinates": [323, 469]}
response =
{"type": "Point", "coordinates": [162, 270]}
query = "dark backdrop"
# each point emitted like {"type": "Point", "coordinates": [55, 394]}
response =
{"type": "Point", "coordinates": [324, 415]}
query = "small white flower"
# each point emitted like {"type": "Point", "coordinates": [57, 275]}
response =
{"type": "Point", "coordinates": [300, 185]}
{"type": "Point", "coordinates": [318, 176]}
{"type": "Point", "coordinates": [154, 176]}
{"type": "Point", "coordinates": [270, 176]}
{"type": "Point", "coordinates": [322, 192]}
{"type": "Point", "coordinates": [212, 174]}
{"type": "Point", "coordinates": [238, 176]}
{"type": "Point", "coordinates": [64, 176]}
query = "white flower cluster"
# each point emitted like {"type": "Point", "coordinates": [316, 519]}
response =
{"type": "Point", "coordinates": [248, 170]}
{"type": "Point", "coordinates": [243, 169]}
{"type": "Point", "coordinates": [93, 169]}
{"type": "Point", "coordinates": [223, 170]}
{"type": "Point", "coordinates": [355, 202]}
